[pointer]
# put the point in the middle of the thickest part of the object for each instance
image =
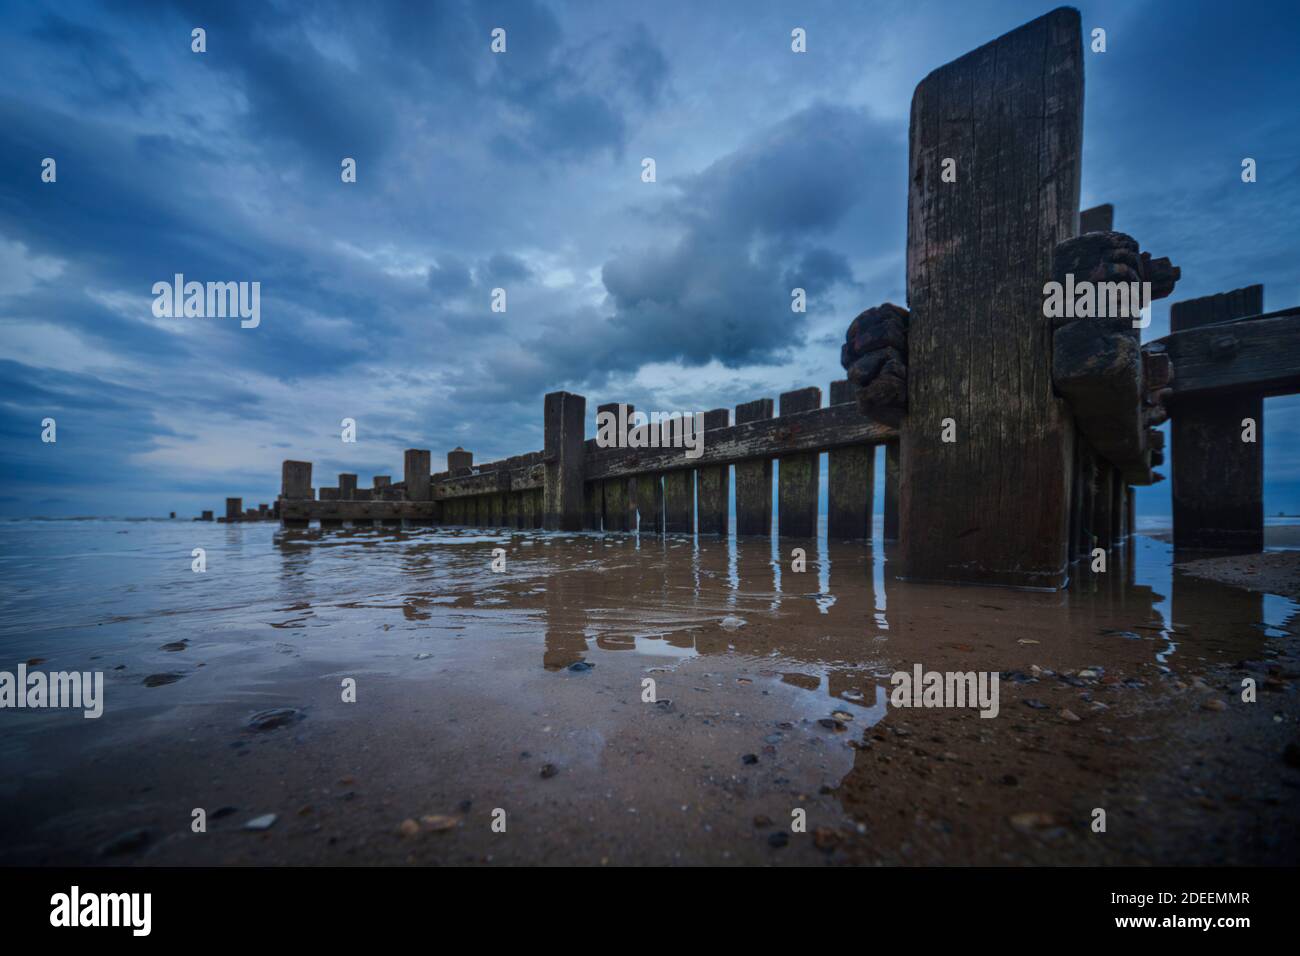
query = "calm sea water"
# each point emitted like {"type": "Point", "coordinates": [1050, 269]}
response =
{"type": "Point", "coordinates": [72, 587]}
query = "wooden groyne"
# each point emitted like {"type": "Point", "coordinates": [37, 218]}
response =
{"type": "Point", "coordinates": [1014, 439]}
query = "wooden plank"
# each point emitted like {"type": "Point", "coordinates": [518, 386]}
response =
{"type": "Point", "coordinates": [992, 506]}
{"type": "Point", "coordinates": [1218, 480]}
{"type": "Point", "coordinates": [499, 480]}
{"type": "Point", "coordinates": [754, 475]}
{"type": "Point", "coordinates": [616, 501]}
{"type": "Point", "coordinates": [712, 482]}
{"type": "Point", "coordinates": [340, 511]}
{"type": "Point", "coordinates": [617, 512]}
{"type": "Point", "coordinates": [650, 503]}
{"type": "Point", "coordinates": [498, 510]}
{"type": "Point", "coordinates": [1258, 356]}
{"type": "Point", "coordinates": [679, 502]}
{"type": "Point", "coordinates": [850, 482]}
{"type": "Point", "coordinates": [593, 505]}
{"type": "Point", "coordinates": [539, 507]}
{"type": "Point", "coordinates": [818, 430]}
{"type": "Point", "coordinates": [1104, 504]}
{"type": "Point", "coordinates": [799, 477]}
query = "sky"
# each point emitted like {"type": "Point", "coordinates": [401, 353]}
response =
{"type": "Point", "coordinates": [523, 171]}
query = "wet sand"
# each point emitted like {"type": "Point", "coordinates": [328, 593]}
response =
{"type": "Point", "coordinates": [466, 704]}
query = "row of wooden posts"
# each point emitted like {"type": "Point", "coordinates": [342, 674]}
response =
{"type": "Point", "coordinates": [1047, 453]}
{"type": "Point", "coordinates": [574, 484]}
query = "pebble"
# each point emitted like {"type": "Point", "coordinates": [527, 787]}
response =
{"type": "Point", "coordinates": [832, 724]}
{"type": "Point", "coordinates": [548, 771]}
{"type": "Point", "coordinates": [175, 646]}
{"type": "Point", "coordinates": [1070, 715]}
{"type": "Point", "coordinates": [1214, 703]}
{"type": "Point", "coordinates": [778, 839]}
{"type": "Point", "coordinates": [824, 838]}
{"type": "Point", "coordinates": [750, 758]}
{"type": "Point", "coordinates": [440, 822]}
{"type": "Point", "coordinates": [128, 842]}
{"type": "Point", "coordinates": [264, 822]}
{"type": "Point", "coordinates": [158, 680]}
{"type": "Point", "coordinates": [1035, 704]}
{"type": "Point", "coordinates": [1035, 824]}
{"type": "Point", "coordinates": [581, 666]}
{"type": "Point", "coordinates": [731, 622]}
{"type": "Point", "coordinates": [762, 820]}
{"type": "Point", "coordinates": [271, 719]}
{"type": "Point", "coordinates": [841, 715]}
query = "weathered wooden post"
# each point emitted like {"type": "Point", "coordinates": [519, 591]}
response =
{"type": "Point", "coordinates": [1218, 479]}
{"type": "Point", "coordinates": [994, 173]}
{"type": "Point", "coordinates": [850, 484]}
{"type": "Point", "coordinates": [564, 420]}
{"type": "Point", "coordinates": [416, 474]}
{"type": "Point", "coordinates": [712, 481]}
{"type": "Point", "coordinates": [650, 503]}
{"type": "Point", "coordinates": [347, 487]}
{"type": "Point", "coordinates": [205, 516]}
{"type": "Point", "coordinates": [800, 475]}
{"type": "Point", "coordinates": [234, 509]}
{"type": "Point", "coordinates": [754, 477]}
{"type": "Point", "coordinates": [679, 501]}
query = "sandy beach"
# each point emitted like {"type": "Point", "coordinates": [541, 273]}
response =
{"type": "Point", "coordinates": [771, 697]}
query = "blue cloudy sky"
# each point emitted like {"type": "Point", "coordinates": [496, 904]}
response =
{"type": "Point", "coordinates": [523, 171]}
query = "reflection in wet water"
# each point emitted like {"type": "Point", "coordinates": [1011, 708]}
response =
{"type": "Point", "coordinates": [839, 626]}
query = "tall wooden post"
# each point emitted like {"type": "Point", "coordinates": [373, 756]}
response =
{"type": "Point", "coordinates": [234, 509]}
{"type": "Point", "coordinates": [416, 474]}
{"type": "Point", "coordinates": [754, 478]}
{"type": "Point", "coordinates": [712, 482]}
{"type": "Point", "coordinates": [994, 171]}
{"type": "Point", "coordinates": [800, 475]}
{"type": "Point", "coordinates": [1218, 479]}
{"type": "Point", "coordinates": [295, 479]}
{"type": "Point", "coordinates": [851, 480]}
{"type": "Point", "coordinates": [347, 487]}
{"type": "Point", "coordinates": [459, 462]}
{"type": "Point", "coordinates": [564, 419]}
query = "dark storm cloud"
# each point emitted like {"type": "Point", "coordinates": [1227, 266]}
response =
{"type": "Point", "coordinates": [751, 226]}
{"type": "Point", "coordinates": [521, 171]}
